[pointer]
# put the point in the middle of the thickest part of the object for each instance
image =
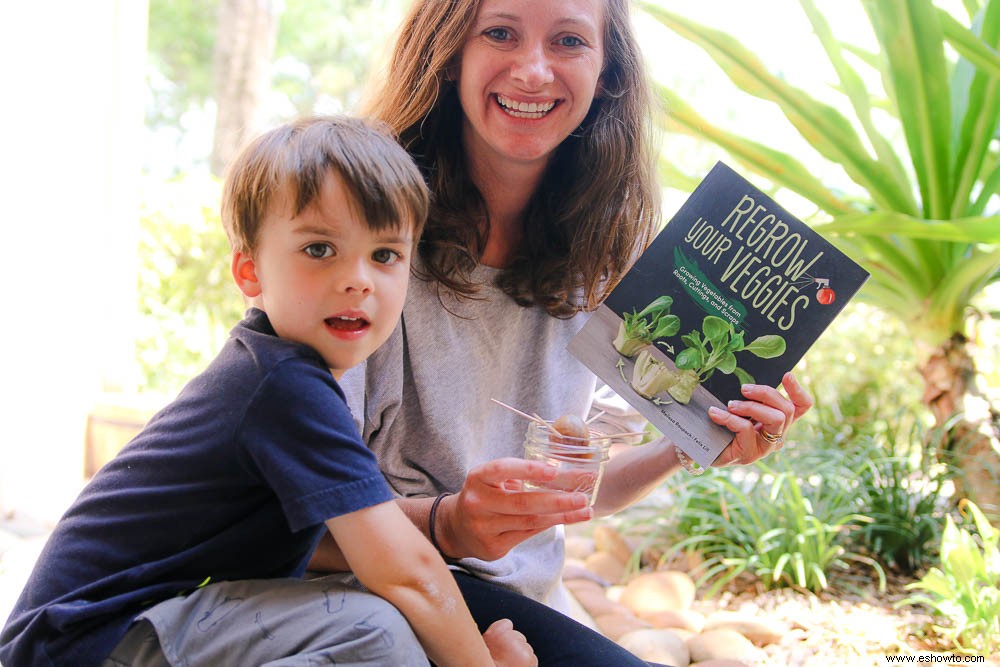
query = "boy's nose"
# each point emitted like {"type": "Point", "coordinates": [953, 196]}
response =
{"type": "Point", "coordinates": [356, 278]}
{"type": "Point", "coordinates": [531, 67]}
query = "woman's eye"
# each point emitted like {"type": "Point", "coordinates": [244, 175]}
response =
{"type": "Point", "coordinates": [570, 41]}
{"type": "Point", "coordinates": [499, 34]}
{"type": "Point", "coordinates": [386, 256]}
{"type": "Point", "coordinates": [319, 250]}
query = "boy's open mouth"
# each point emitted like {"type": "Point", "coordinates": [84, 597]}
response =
{"type": "Point", "coordinates": [342, 323]}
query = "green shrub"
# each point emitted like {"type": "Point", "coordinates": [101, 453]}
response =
{"type": "Point", "coordinates": [785, 528]}
{"type": "Point", "coordinates": [838, 496]}
{"type": "Point", "coordinates": [966, 588]}
{"type": "Point", "coordinates": [187, 299]}
{"type": "Point", "coordinates": [903, 490]}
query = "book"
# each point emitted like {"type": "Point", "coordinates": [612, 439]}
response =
{"type": "Point", "coordinates": [733, 290]}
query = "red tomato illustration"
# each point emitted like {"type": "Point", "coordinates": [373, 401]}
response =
{"type": "Point", "coordinates": [826, 296]}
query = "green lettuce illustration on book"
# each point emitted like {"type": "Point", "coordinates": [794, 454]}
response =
{"type": "Point", "coordinates": [734, 290]}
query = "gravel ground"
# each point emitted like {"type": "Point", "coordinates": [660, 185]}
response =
{"type": "Point", "coordinates": [856, 628]}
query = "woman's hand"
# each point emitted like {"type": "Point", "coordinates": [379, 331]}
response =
{"type": "Point", "coordinates": [760, 422]}
{"type": "Point", "coordinates": [494, 512]}
{"type": "Point", "coordinates": [507, 646]}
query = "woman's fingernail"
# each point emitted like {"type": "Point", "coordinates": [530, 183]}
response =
{"type": "Point", "coordinates": [716, 412]}
{"type": "Point", "coordinates": [732, 404]}
{"type": "Point", "coordinates": [747, 389]}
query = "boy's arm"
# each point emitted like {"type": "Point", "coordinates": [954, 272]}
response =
{"type": "Point", "coordinates": [395, 561]}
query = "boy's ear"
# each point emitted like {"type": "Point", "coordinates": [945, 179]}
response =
{"type": "Point", "coordinates": [245, 274]}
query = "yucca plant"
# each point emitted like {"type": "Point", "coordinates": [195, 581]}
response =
{"type": "Point", "coordinates": [926, 225]}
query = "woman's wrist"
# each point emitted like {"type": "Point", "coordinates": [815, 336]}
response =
{"type": "Point", "coordinates": [436, 525]}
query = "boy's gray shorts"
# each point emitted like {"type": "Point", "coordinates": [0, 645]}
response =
{"type": "Point", "coordinates": [274, 622]}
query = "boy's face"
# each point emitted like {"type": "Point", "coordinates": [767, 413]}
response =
{"type": "Point", "coordinates": [325, 279]}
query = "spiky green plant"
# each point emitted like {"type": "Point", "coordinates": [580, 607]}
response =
{"type": "Point", "coordinates": [927, 227]}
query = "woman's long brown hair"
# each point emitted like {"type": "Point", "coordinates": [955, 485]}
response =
{"type": "Point", "coordinates": [597, 206]}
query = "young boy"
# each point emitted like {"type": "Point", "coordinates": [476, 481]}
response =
{"type": "Point", "coordinates": [189, 547]}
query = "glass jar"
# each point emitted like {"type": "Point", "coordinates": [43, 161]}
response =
{"type": "Point", "coordinates": [579, 462]}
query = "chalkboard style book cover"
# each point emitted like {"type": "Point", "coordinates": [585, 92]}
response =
{"type": "Point", "coordinates": [733, 290]}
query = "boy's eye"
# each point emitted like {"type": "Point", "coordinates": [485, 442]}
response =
{"type": "Point", "coordinates": [386, 256]}
{"type": "Point", "coordinates": [319, 250]}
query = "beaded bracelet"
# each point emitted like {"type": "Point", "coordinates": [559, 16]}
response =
{"type": "Point", "coordinates": [430, 521]}
{"type": "Point", "coordinates": [687, 462]}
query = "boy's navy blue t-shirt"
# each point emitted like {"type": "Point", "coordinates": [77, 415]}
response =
{"type": "Point", "coordinates": [233, 480]}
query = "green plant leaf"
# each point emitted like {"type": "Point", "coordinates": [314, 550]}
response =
{"type": "Point", "coordinates": [821, 125]}
{"type": "Point", "coordinates": [657, 306]}
{"type": "Point", "coordinates": [728, 363]}
{"type": "Point", "coordinates": [715, 328]}
{"type": "Point", "coordinates": [689, 359]}
{"type": "Point", "coordinates": [767, 347]}
{"type": "Point", "coordinates": [977, 105]}
{"type": "Point", "coordinates": [969, 45]}
{"type": "Point", "coordinates": [859, 96]}
{"type": "Point", "coordinates": [991, 187]}
{"type": "Point", "coordinates": [958, 230]}
{"type": "Point", "coordinates": [778, 167]}
{"type": "Point", "coordinates": [950, 301]}
{"type": "Point", "coordinates": [742, 376]}
{"type": "Point", "coordinates": [934, 582]}
{"type": "Point", "coordinates": [916, 75]}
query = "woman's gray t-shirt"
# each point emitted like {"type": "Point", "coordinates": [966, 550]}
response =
{"type": "Point", "coordinates": [428, 414]}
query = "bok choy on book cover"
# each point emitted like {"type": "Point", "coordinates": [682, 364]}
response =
{"type": "Point", "coordinates": [733, 290]}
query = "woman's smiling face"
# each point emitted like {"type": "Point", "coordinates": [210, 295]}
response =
{"type": "Point", "coordinates": [528, 73]}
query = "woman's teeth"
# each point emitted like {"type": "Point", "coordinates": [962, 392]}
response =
{"type": "Point", "coordinates": [524, 109]}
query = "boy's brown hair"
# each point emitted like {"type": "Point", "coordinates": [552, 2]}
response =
{"type": "Point", "coordinates": [293, 160]}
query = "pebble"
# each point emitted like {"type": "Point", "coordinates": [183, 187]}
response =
{"type": "Point", "coordinates": [660, 646]}
{"type": "Point", "coordinates": [720, 645]}
{"type": "Point", "coordinates": [760, 631]}
{"type": "Point", "coordinates": [617, 625]}
{"type": "Point", "coordinates": [608, 540]}
{"type": "Point", "coordinates": [652, 592]}
{"type": "Point", "coordinates": [606, 566]}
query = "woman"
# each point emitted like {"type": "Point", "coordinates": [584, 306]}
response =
{"type": "Point", "coordinates": [530, 120]}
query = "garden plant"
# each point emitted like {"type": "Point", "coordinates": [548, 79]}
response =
{"type": "Point", "coordinates": [923, 216]}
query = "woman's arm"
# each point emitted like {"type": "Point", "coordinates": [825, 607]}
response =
{"type": "Point", "coordinates": [328, 557]}
{"type": "Point", "coordinates": [492, 513]}
{"type": "Point", "coordinates": [393, 560]}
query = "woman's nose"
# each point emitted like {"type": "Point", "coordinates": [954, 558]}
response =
{"type": "Point", "coordinates": [531, 67]}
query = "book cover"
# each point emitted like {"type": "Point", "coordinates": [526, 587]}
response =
{"type": "Point", "coordinates": [733, 290]}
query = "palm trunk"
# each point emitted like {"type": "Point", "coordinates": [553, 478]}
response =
{"type": "Point", "coordinates": [243, 47]}
{"type": "Point", "coordinates": [970, 425]}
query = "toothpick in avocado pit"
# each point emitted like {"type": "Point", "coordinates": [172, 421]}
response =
{"type": "Point", "coordinates": [570, 426]}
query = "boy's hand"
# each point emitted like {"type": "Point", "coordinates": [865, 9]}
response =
{"type": "Point", "coordinates": [508, 647]}
{"type": "Point", "coordinates": [493, 512]}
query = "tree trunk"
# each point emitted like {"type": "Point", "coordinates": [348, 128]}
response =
{"type": "Point", "coordinates": [970, 425]}
{"type": "Point", "coordinates": [244, 44]}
